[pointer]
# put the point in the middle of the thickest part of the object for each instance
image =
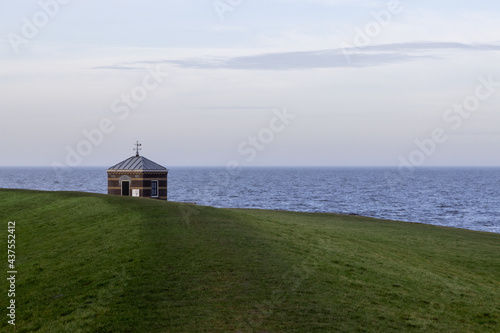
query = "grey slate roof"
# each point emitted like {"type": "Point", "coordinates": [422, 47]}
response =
{"type": "Point", "coordinates": [138, 163]}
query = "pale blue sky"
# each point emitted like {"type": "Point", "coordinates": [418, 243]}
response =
{"type": "Point", "coordinates": [355, 96]}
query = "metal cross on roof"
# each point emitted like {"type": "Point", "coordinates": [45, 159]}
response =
{"type": "Point", "coordinates": [137, 145]}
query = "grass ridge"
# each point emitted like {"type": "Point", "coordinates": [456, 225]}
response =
{"type": "Point", "coordinates": [99, 263]}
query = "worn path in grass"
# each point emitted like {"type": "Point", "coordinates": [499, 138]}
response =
{"type": "Point", "coordinates": [97, 263]}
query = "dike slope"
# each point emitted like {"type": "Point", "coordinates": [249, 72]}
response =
{"type": "Point", "coordinates": [98, 263]}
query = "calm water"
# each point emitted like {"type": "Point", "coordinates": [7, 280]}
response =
{"type": "Point", "coordinates": [456, 197]}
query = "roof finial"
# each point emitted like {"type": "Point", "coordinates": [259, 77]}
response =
{"type": "Point", "coordinates": [137, 145]}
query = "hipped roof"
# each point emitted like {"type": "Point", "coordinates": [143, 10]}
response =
{"type": "Point", "coordinates": [138, 163]}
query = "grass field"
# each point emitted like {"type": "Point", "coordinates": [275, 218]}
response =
{"type": "Point", "coordinates": [98, 263]}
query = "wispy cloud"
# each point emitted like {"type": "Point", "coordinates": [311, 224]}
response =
{"type": "Point", "coordinates": [377, 55]}
{"type": "Point", "coordinates": [121, 68]}
{"type": "Point", "coordinates": [295, 60]}
{"type": "Point", "coordinates": [366, 3]}
{"type": "Point", "coordinates": [235, 108]}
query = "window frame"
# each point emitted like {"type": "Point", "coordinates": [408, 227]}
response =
{"type": "Point", "coordinates": [155, 195]}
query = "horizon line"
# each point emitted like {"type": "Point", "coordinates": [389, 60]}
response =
{"type": "Point", "coordinates": [269, 166]}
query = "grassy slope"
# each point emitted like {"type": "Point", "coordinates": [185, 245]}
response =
{"type": "Point", "coordinates": [96, 263]}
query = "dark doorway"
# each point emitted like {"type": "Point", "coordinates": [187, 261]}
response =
{"type": "Point", "coordinates": [125, 187]}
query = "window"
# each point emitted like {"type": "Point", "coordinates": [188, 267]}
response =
{"type": "Point", "coordinates": [154, 188]}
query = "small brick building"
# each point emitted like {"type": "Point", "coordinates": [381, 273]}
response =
{"type": "Point", "coordinates": [138, 177]}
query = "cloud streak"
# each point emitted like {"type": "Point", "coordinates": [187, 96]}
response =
{"type": "Point", "coordinates": [370, 56]}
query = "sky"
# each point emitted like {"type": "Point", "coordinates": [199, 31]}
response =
{"type": "Point", "coordinates": [250, 82]}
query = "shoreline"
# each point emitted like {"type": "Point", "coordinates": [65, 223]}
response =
{"type": "Point", "coordinates": [281, 210]}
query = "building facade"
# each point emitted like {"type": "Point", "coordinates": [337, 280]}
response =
{"type": "Point", "coordinates": [138, 177]}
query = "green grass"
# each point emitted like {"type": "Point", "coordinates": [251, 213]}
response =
{"type": "Point", "coordinates": [98, 263]}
